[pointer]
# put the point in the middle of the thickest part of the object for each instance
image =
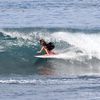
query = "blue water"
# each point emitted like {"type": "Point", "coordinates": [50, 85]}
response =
{"type": "Point", "coordinates": [50, 13]}
{"type": "Point", "coordinates": [73, 26]}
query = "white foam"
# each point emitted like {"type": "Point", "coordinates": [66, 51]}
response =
{"type": "Point", "coordinates": [34, 81]}
{"type": "Point", "coordinates": [88, 43]}
{"type": "Point", "coordinates": [22, 38]}
{"type": "Point", "coordinates": [18, 35]}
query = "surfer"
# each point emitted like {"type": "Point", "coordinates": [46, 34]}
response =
{"type": "Point", "coordinates": [47, 47]}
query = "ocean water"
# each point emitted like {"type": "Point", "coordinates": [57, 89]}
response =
{"type": "Point", "coordinates": [73, 26]}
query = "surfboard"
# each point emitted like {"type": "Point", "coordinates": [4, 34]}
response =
{"type": "Point", "coordinates": [45, 56]}
{"type": "Point", "coordinates": [67, 56]}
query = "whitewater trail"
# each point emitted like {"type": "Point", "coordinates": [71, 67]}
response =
{"type": "Point", "coordinates": [89, 44]}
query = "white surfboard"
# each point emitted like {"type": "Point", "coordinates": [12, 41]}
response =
{"type": "Point", "coordinates": [68, 55]}
{"type": "Point", "coordinates": [46, 56]}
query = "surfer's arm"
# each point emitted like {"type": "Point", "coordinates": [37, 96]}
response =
{"type": "Point", "coordinates": [43, 48]}
{"type": "Point", "coordinates": [40, 50]}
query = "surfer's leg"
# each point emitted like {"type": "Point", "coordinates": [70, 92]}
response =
{"type": "Point", "coordinates": [47, 52]}
{"type": "Point", "coordinates": [51, 52]}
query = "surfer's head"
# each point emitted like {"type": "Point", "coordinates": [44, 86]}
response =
{"type": "Point", "coordinates": [42, 42]}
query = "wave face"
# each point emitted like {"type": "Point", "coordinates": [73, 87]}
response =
{"type": "Point", "coordinates": [79, 51]}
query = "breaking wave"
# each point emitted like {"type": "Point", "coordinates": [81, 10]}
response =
{"type": "Point", "coordinates": [75, 47]}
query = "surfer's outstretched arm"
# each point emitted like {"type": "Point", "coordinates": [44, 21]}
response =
{"type": "Point", "coordinates": [45, 49]}
{"type": "Point", "coordinates": [40, 50]}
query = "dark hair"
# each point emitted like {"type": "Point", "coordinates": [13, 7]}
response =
{"type": "Point", "coordinates": [42, 42]}
{"type": "Point", "coordinates": [50, 46]}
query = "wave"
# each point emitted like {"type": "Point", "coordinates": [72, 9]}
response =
{"type": "Point", "coordinates": [51, 81]}
{"type": "Point", "coordinates": [88, 44]}
{"type": "Point", "coordinates": [34, 81]}
{"type": "Point", "coordinates": [75, 47]}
